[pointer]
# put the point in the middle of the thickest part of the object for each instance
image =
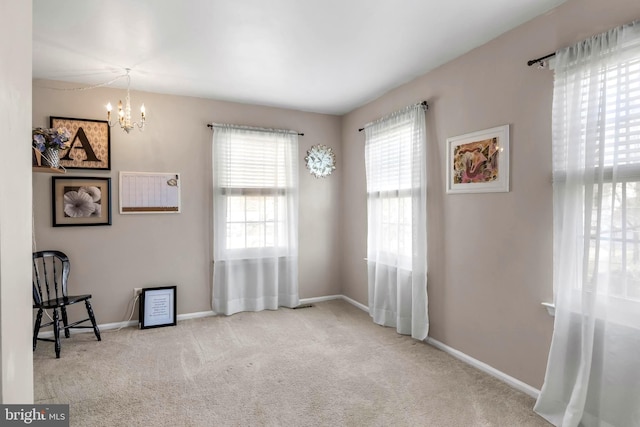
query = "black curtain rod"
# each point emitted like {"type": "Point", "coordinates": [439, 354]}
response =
{"type": "Point", "coordinates": [535, 61]}
{"type": "Point", "coordinates": [423, 103]}
{"type": "Point", "coordinates": [209, 125]}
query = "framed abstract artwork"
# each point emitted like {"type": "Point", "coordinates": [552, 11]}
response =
{"type": "Point", "coordinates": [478, 162]}
{"type": "Point", "coordinates": [80, 201]}
{"type": "Point", "coordinates": [89, 145]}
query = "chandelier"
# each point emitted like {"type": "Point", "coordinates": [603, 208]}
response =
{"type": "Point", "coordinates": [124, 113]}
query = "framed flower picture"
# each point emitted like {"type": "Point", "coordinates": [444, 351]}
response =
{"type": "Point", "coordinates": [80, 201]}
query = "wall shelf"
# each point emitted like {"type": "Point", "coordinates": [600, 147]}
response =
{"type": "Point", "coordinates": [46, 169]}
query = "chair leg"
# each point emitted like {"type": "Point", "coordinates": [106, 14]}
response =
{"type": "Point", "coordinates": [93, 319]}
{"type": "Point", "coordinates": [36, 328]}
{"type": "Point", "coordinates": [56, 331]}
{"type": "Point", "coordinates": [65, 322]}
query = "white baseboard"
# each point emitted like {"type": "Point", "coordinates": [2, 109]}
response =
{"type": "Point", "coordinates": [126, 324]}
{"type": "Point", "coordinates": [186, 316]}
{"type": "Point", "coordinates": [332, 297]}
{"type": "Point", "coordinates": [102, 327]}
{"type": "Point", "coordinates": [319, 299]}
{"type": "Point", "coordinates": [195, 315]}
{"type": "Point", "coordinates": [355, 303]}
{"type": "Point", "coordinates": [513, 382]}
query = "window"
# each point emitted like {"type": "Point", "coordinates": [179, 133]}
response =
{"type": "Point", "coordinates": [614, 250]}
{"type": "Point", "coordinates": [251, 220]}
{"type": "Point", "coordinates": [255, 219]}
{"type": "Point", "coordinates": [389, 187]}
{"type": "Point", "coordinates": [395, 158]}
{"type": "Point", "coordinates": [254, 183]}
{"type": "Point", "coordinates": [593, 370]}
{"type": "Point", "coordinates": [613, 194]}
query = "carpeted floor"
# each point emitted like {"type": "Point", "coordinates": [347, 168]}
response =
{"type": "Point", "coordinates": [327, 365]}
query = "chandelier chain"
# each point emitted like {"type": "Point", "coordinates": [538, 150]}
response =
{"type": "Point", "coordinates": [115, 79]}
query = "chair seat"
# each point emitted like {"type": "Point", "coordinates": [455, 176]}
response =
{"type": "Point", "coordinates": [61, 302]}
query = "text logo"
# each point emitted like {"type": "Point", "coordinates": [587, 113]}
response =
{"type": "Point", "coordinates": [36, 415]}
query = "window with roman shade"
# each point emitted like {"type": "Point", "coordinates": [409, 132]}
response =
{"type": "Point", "coordinates": [593, 372]}
{"type": "Point", "coordinates": [395, 159]}
{"type": "Point", "coordinates": [255, 200]}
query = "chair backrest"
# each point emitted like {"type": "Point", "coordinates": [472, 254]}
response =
{"type": "Point", "coordinates": [50, 274]}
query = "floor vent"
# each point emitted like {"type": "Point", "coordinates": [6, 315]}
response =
{"type": "Point", "coordinates": [303, 306]}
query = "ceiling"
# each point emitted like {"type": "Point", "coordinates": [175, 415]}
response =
{"type": "Point", "coordinates": [327, 56]}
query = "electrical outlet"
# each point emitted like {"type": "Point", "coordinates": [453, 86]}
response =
{"type": "Point", "coordinates": [136, 292]}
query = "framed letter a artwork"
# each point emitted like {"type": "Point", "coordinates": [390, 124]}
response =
{"type": "Point", "coordinates": [478, 162]}
{"type": "Point", "coordinates": [90, 145]}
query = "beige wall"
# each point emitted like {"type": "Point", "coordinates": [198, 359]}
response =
{"type": "Point", "coordinates": [16, 355]}
{"type": "Point", "coordinates": [153, 249]}
{"type": "Point", "coordinates": [490, 255]}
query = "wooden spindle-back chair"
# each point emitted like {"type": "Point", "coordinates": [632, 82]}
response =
{"type": "Point", "coordinates": [50, 275]}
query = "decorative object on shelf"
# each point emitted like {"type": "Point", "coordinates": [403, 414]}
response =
{"type": "Point", "coordinates": [90, 146]}
{"type": "Point", "coordinates": [320, 160]}
{"type": "Point", "coordinates": [79, 201]}
{"type": "Point", "coordinates": [37, 166]}
{"type": "Point", "coordinates": [49, 142]}
{"type": "Point", "coordinates": [478, 162]}
{"type": "Point", "coordinates": [124, 112]}
{"type": "Point", "coordinates": [51, 157]}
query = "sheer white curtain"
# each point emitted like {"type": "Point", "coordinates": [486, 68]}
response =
{"type": "Point", "coordinates": [593, 371]}
{"type": "Point", "coordinates": [395, 157]}
{"type": "Point", "coordinates": [255, 219]}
